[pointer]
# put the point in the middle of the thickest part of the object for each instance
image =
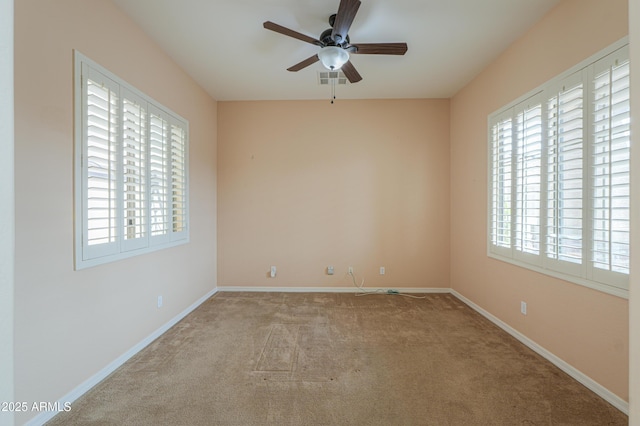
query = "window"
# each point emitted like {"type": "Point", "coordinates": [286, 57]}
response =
{"type": "Point", "coordinates": [528, 166]}
{"type": "Point", "coordinates": [610, 159]}
{"type": "Point", "coordinates": [131, 169]}
{"type": "Point", "coordinates": [502, 145]}
{"type": "Point", "coordinates": [559, 176]}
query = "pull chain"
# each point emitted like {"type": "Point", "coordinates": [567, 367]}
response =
{"type": "Point", "coordinates": [333, 89]}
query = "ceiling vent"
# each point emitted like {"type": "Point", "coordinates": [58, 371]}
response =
{"type": "Point", "coordinates": [326, 77]}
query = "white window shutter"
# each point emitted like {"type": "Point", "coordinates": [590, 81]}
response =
{"type": "Point", "coordinates": [178, 178]}
{"type": "Point", "coordinates": [528, 178]}
{"type": "Point", "coordinates": [501, 183]}
{"type": "Point", "coordinates": [134, 172]}
{"type": "Point", "coordinates": [610, 165]}
{"type": "Point", "coordinates": [99, 164]}
{"type": "Point", "coordinates": [559, 176]}
{"type": "Point", "coordinates": [565, 173]}
{"type": "Point", "coordinates": [131, 178]}
{"type": "Point", "coordinates": [159, 174]}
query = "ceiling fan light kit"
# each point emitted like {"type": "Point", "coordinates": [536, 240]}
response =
{"type": "Point", "coordinates": [336, 45]}
{"type": "Point", "coordinates": [333, 57]}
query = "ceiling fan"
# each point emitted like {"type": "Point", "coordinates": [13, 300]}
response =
{"type": "Point", "coordinates": [335, 43]}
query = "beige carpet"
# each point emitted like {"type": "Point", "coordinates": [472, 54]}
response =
{"type": "Point", "coordinates": [337, 359]}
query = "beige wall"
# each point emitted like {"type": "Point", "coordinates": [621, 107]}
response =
{"type": "Point", "coordinates": [318, 199]}
{"type": "Point", "coordinates": [6, 208]}
{"type": "Point", "coordinates": [585, 328]}
{"type": "Point", "coordinates": [307, 184]}
{"type": "Point", "coordinates": [634, 300]}
{"type": "Point", "coordinates": [71, 324]}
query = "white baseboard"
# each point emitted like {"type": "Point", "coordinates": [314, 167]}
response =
{"type": "Point", "coordinates": [45, 416]}
{"type": "Point", "coordinates": [349, 289]}
{"type": "Point", "coordinates": [582, 378]}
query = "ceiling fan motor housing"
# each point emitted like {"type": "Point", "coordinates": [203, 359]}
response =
{"type": "Point", "coordinates": [327, 39]}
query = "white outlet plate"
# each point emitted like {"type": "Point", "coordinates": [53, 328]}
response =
{"type": "Point", "coordinates": [272, 273]}
{"type": "Point", "coordinates": [329, 270]}
{"type": "Point", "coordinates": [523, 308]}
{"type": "Point", "coordinates": [159, 301]}
{"type": "Point", "coordinates": [351, 269]}
{"type": "Point", "coordinates": [382, 270]}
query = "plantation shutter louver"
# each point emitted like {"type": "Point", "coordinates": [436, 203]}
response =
{"type": "Point", "coordinates": [134, 164]}
{"type": "Point", "coordinates": [610, 158]}
{"type": "Point", "coordinates": [528, 178]}
{"type": "Point", "coordinates": [565, 156]}
{"type": "Point", "coordinates": [159, 172]}
{"type": "Point", "coordinates": [100, 164]}
{"type": "Point", "coordinates": [501, 180]}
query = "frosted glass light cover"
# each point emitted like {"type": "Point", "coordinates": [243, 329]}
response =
{"type": "Point", "coordinates": [333, 57]}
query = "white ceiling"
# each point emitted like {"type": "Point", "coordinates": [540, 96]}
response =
{"type": "Point", "coordinates": [223, 46]}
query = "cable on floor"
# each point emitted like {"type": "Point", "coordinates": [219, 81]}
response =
{"type": "Point", "coordinates": [364, 292]}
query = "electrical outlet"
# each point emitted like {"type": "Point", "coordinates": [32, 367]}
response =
{"type": "Point", "coordinates": [351, 269]}
{"type": "Point", "coordinates": [159, 301]}
{"type": "Point", "coordinates": [329, 270]}
{"type": "Point", "coordinates": [382, 270]}
{"type": "Point", "coordinates": [523, 308]}
{"type": "Point", "coordinates": [272, 273]}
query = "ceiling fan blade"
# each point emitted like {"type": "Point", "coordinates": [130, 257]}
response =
{"type": "Point", "coordinates": [288, 32]}
{"type": "Point", "coordinates": [380, 48]}
{"type": "Point", "coordinates": [344, 18]}
{"type": "Point", "coordinates": [351, 73]}
{"type": "Point", "coordinates": [310, 60]}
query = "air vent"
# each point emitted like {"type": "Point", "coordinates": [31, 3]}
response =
{"type": "Point", "coordinates": [326, 77]}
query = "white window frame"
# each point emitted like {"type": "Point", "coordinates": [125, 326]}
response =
{"type": "Point", "coordinates": [142, 241]}
{"type": "Point", "coordinates": [584, 272]}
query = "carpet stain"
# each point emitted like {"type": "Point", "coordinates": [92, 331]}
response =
{"type": "Point", "coordinates": [279, 352]}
